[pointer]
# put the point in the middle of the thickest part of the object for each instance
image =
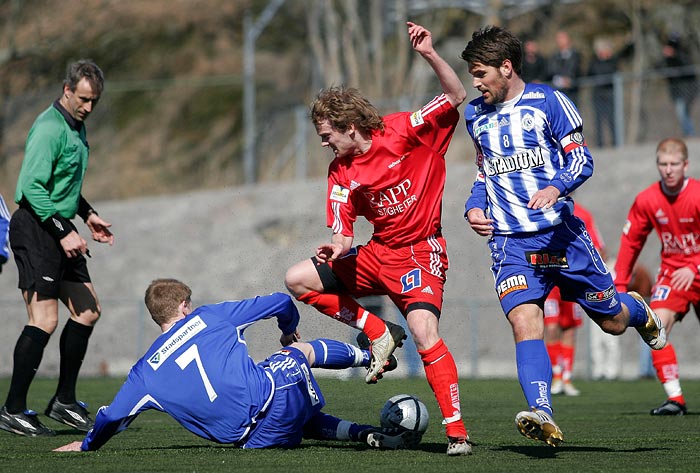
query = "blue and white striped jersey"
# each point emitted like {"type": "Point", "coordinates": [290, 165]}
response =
{"type": "Point", "coordinates": [200, 373]}
{"type": "Point", "coordinates": [524, 145]}
{"type": "Point", "coordinates": [4, 232]}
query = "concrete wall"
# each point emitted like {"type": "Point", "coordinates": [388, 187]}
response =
{"type": "Point", "coordinates": [238, 242]}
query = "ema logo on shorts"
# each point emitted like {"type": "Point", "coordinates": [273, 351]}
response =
{"type": "Point", "coordinates": [513, 283]}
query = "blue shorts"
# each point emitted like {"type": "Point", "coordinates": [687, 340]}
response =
{"type": "Point", "coordinates": [527, 265]}
{"type": "Point", "coordinates": [297, 399]}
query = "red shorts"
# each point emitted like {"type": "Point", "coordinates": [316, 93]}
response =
{"type": "Point", "coordinates": [563, 313]}
{"type": "Point", "coordinates": [412, 276]}
{"type": "Point", "coordinates": [663, 296]}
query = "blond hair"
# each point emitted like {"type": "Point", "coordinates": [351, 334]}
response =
{"type": "Point", "coordinates": [672, 146]}
{"type": "Point", "coordinates": [345, 106]}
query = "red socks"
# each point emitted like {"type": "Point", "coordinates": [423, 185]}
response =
{"type": "Point", "coordinates": [347, 310]}
{"type": "Point", "coordinates": [441, 372]}
{"type": "Point", "coordinates": [666, 366]}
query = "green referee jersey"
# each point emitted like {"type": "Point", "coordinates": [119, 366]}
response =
{"type": "Point", "coordinates": [54, 165]}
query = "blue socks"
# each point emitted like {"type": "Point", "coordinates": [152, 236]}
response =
{"type": "Point", "coordinates": [333, 354]}
{"type": "Point", "coordinates": [638, 313]}
{"type": "Point", "coordinates": [534, 373]}
{"type": "Point", "coordinates": [326, 427]}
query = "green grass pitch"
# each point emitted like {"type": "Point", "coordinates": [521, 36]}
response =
{"type": "Point", "coordinates": [607, 428]}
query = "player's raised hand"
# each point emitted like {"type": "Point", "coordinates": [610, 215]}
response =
{"type": "Point", "coordinates": [421, 38]}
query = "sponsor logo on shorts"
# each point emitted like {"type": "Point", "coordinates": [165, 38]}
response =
{"type": "Point", "coordinates": [513, 283]}
{"type": "Point", "coordinates": [600, 296]}
{"type": "Point", "coordinates": [661, 293]}
{"type": "Point", "coordinates": [411, 280]}
{"type": "Point", "coordinates": [547, 259]}
{"type": "Point", "coordinates": [313, 395]}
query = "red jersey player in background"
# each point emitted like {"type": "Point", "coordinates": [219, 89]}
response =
{"type": "Point", "coordinates": [562, 318]}
{"type": "Point", "coordinates": [391, 171]}
{"type": "Point", "coordinates": [672, 208]}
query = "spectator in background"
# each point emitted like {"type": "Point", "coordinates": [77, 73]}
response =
{"type": "Point", "coordinates": [565, 66]}
{"type": "Point", "coordinates": [603, 66]}
{"type": "Point", "coordinates": [683, 87]}
{"type": "Point", "coordinates": [534, 64]}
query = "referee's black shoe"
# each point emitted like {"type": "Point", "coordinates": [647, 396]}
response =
{"type": "Point", "coordinates": [23, 423]}
{"type": "Point", "coordinates": [73, 414]}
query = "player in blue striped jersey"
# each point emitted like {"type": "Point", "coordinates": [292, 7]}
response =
{"type": "Point", "coordinates": [531, 155]}
{"type": "Point", "coordinates": [200, 373]}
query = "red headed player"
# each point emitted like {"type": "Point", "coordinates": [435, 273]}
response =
{"type": "Point", "coordinates": [391, 171]}
{"type": "Point", "coordinates": [562, 318]}
{"type": "Point", "coordinates": [672, 208]}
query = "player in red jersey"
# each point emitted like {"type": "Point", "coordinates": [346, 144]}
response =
{"type": "Point", "coordinates": [562, 318]}
{"type": "Point", "coordinates": [672, 208]}
{"type": "Point", "coordinates": [391, 171]}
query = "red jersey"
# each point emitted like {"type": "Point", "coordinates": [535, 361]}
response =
{"type": "Point", "coordinates": [398, 184]}
{"type": "Point", "coordinates": [583, 213]}
{"type": "Point", "coordinates": [676, 220]}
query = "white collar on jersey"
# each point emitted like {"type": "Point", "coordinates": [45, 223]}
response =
{"type": "Point", "coordinates": [509, 103]}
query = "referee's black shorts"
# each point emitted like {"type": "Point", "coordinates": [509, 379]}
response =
{"type": "Point", "coordinates": [41, 262]}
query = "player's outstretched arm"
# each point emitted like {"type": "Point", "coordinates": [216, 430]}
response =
{"type": "Point", "coordinates": [71, 447]}
{"type": "Point", "coordinates": [422, 42]}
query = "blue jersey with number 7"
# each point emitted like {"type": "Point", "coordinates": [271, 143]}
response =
{"type": "Point", "coordinates": [200, 373]}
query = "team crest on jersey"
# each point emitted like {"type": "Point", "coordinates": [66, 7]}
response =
{"type": "Point", "coordinates": [528, 122]}
{"type": "Point", "coordinates": [411, 280]}
{"type": "Point", "coordinates": [340, 194]}
{"type": "Point", "coordinates": [417, 118]}
{"type": "Point", "coordinates": [354, 185]}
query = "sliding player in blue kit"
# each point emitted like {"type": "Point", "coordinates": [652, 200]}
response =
{"type": "Point", "coordinates": [200, 373]}
{"type": "Point", "coordinates": [531, 155]}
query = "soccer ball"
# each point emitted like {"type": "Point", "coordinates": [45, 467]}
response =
{"type": "Point", "coordinates": [404, 410]}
